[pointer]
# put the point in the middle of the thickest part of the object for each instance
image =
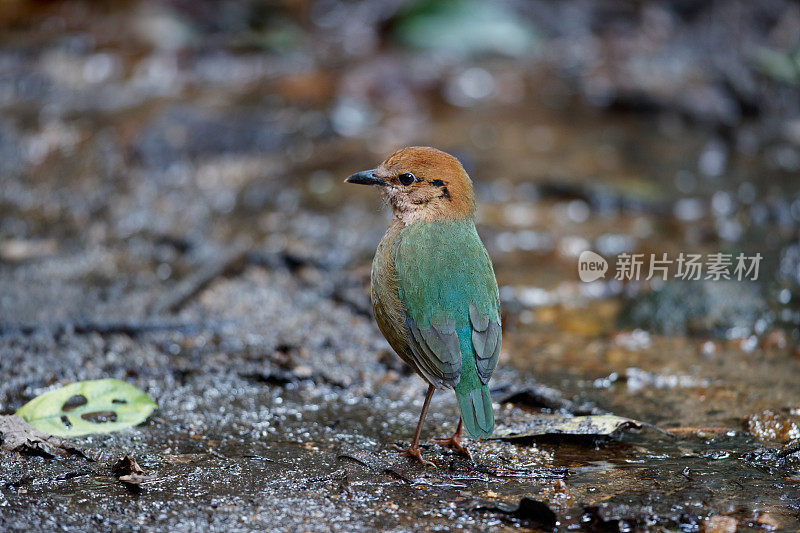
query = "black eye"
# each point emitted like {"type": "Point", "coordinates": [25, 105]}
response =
{"type": "Point", "coordinates": [406, 178]}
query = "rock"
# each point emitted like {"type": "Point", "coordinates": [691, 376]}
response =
{"type": "Point", "coordinates": [719, 308]}
{"type": "Point", "coordinates": [768, 522]}
{"type": "Point", "coordinates": [720, 524]}
{"type": "Point", "coordinates": [528, 511]}
{"type": "Point", "coordinates": [769, 425]}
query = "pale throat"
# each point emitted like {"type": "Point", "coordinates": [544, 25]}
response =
{"type": "Point", "coordinates": [408, 211]}
{"type": "Point", "coordinates": [404, 209]}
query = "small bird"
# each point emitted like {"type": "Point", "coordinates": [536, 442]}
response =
{"type": "Point", "coordinates": [433, 289]}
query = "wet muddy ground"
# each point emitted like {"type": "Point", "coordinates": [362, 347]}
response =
{"type": "Point", "coordinates": [172, 214]}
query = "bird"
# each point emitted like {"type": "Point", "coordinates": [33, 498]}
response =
{"type": "Point", "coordinates": [433, 288]}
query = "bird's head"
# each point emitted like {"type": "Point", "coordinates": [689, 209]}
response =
{"type": "Point", "coordinates": [422, 183]}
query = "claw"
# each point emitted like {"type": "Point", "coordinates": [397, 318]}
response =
{"type": "Point", "coordinates": [413, 451]}
{"type": "Point", "coordinates": [454, 443]}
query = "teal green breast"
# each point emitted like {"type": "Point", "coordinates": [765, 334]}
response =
{"type": "Point", "coordinates": [443, 267]}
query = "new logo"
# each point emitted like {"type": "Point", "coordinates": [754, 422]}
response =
{"type": "Point", "coordinates": [591, 266]}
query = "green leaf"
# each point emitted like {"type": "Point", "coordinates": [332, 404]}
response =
{"type": "Point", "coordinates": [99, 406]}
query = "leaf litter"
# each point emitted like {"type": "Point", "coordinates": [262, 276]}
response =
{"type": "Point", "coordinates": [16, 435]}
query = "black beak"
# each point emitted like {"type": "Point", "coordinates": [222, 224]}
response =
{"type": "Point", "coordinates": [366, 177]}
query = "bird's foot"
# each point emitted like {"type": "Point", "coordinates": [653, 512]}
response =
{"type": "Point", "coordinates": [413, 451]}
{"type": "Point", "coordinates": [454, 443]}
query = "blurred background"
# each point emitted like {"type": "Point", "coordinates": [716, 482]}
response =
{"type": "Point", "coordinates": [141, 135]}
{"type": "Point", "coordinates": [172, 211]}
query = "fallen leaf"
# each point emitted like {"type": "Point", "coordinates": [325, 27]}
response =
{"type": "Point", "coordinates": [99, 406]}
{"type": "Point", "coordinates": [16, 435]}
{"type": "Point", "coordinates": [127, 470]}
{"type": "Point", "coordinates": [548, 425]}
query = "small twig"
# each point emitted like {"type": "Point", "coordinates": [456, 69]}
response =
{"type": "Point", "coordinates": [656, 428]}
{"type": "Point", "coordinates": [197, 281]}
{"type": "Point", "coordinates": [689, 431]}
{"type": "Point", "coordinates": [353, 459]}
{"type": "Point", "coordinates": [554, 473]}
{"type": "Point", "coordinates": [281, 260]}
{"type": "Point", "coordinates": [225, 263]}
{"type": "Point", "coordinates": [260, 458]}
{"type": "Point", "coordinates": [105, 328]}
{"type": "Point", "coordinates": [338, 295]}
{"type": "Point", "coordinates": [424, 483]}
{"type": "Point", "coordinates": [73, 475]}
{"type": "Point", "coordinates": [160, 479]}
{"type": "Point", "coordinates": [374, 464]}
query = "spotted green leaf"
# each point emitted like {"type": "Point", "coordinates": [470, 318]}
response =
{"type": "Point", "coordinates": [99, 406]}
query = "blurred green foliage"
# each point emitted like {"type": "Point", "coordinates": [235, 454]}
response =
{"type": "Point", "coordinates": [464, 28]}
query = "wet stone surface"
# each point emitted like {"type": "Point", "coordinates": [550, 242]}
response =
{"type": "Point", "coordinates": [172, 215]}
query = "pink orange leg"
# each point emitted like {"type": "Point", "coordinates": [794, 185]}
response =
{"type": "Point", "coordinates": [413, 450]}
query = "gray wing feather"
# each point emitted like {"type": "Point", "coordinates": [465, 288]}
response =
{"type": "Point", "coordinates": [479, 322]}
{"type": "Point", "coordinates": [422, 359]}
{"type": "Point", "coordinates": [486, 339]}
{"type": "Point", "coordinates": [436, 352]}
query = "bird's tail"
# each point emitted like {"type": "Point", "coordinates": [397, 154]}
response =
{"type": "Point", "coordinates": [475, 405]}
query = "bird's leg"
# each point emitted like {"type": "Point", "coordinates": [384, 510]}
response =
{"type": "Point", "coordinates": [454, 441]}
{"type": "Point", "coordinates": [413, 450]}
